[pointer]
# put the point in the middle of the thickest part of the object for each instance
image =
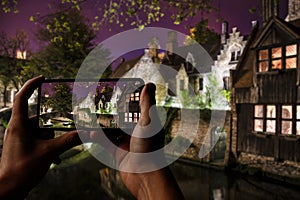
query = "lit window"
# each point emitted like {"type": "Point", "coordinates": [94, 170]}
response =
{"type": "Point", "coordinates": [286, 122]}
{"type": "Point", "coordinates": [137, 96]}
{"type": "Point", "coordinates": [265, 118]}
{"type": "Point", "coordinates": [258, 125]}
{"type": "Point", "coordinates": [291, 50]}
{"type": "Point", "coordinates": [298, 121]}
{"type": "Point", "coordinates": [291, 56]}
{"type": "Point", "coordinates": [276, 58]}
{"type": "Point", "coordinates": [291, 63]}
{"type": "Point", "coordinates": [263, 60]}
{"type": "Point", "coordinates": [284, 57]}
{"type": "Point", "coordinates": [125, 117]}
{"type": "Point", "coordinates": [298, 128]}
{"type": "Point", "coordinates": [132, 97]}
{"type": "Point", "coordinates": [259, 111]}
{"type": "Point", "coordinates": [276, 52]}
{"type": "Point", "coordinates": [135, 117]}
{"type": "Point", "coordinates": [258, 118]}
{"type": "Point", "coordinates": [263, 66]}
{"type": "Point", "coordinates": [263, 54]}
{"type": "Point", "coordinates": [276, 64]}
{"type": "Point", "coordinates": [271, 119]}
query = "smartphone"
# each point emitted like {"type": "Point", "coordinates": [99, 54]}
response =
{"type": "Point", "coordinates": [65, 104]}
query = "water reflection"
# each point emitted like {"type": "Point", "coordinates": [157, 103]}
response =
{"type": "Point", "coordinates": [200, 182]}
{"type": "Point", "coordinates": [83, 181]}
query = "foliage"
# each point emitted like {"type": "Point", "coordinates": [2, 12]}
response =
{"type": "Point", "coordinates": [61, 100]}
{"type": "Point", "coordinates": [216, 96]}
{"type": "Point", "coordinates": [200, 101]}
{"type": "Point", "coordinates": [138, 13]}
{"type": "Point", "coordinates": [10, 66]}
{"type": "Point", "coordinates": [28, 70]}
{"type": "Point", "coordinates": [201, 34]}
{"type": "Point", "coordinates": [185, 98]}
{"type": "Point", "coordinates": [9, 6]}
{"type": "Point", "coordinates": [135, 13]}
{"type": "Point", "coordinates": [189, 100]}
{"type": "Point", "coordinates": [66, 40]}
{"type": "Point", "coordinates": [226, 94]}
{"type": "Point", "coordinates": [4, 123]}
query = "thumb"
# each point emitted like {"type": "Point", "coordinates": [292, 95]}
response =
{"type": "Point", "coordinates": [146, 103]}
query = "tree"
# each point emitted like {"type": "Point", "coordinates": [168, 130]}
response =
{"type": "Point", "coordinates": [10, 65]}
{"type": "Point", "coordinates": [61, 100]}
{"type": "Point", "coordinates": [136, 13]}
{"type": "Point", "coordinates": [202, 34]}
{"type": "Point", "coordinates": [66, 40]}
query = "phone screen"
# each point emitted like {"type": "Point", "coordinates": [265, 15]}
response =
{"type": "Point", "coordinates": [105, 103]}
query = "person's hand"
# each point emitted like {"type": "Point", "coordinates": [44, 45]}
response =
{"type": "Point", "coordinates": [158, 184]}
{"type": "Point", "coordinates": [26, 155]}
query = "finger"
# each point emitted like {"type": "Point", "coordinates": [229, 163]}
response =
{"type": "Point", "coordinates": [146, 102]}
{"type": "Point", "coordinates": [63, 143]}
{"type": "Point", "coordinates": [148, 134]}
{"type": "Point", "coordinates": [20, 108]}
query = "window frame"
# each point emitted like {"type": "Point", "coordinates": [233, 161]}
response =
{"type": "Point", "coordinates": [297, 120]}
{"type": "Point", "coordinates": [264, 118]}
{"type": "Point", "coordinates": [294, 119]}
{"type": "Point", "coordinates": [287, 119]}
{"type": "Point", "coordinates": [269, 59]}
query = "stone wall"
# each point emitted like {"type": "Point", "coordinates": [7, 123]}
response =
{"type": "Point", "coordinates": [285, 169]}
{"type": "Point", "coordinates": [185, 125]}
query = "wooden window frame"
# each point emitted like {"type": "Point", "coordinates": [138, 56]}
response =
{"type": "Point", "coordinates": [264, 118]}
{"type": "Point", "coordinates": [269, 60]}
{"type": "Point", "coordinates": [286, 119]}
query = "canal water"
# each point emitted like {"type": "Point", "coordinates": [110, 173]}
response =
{"type": "Point", "coordinates": [81, 180]}
{"type": "Point", "coordinates": [205, 183]}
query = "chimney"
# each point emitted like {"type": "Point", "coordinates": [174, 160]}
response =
{"type": "Point", "coordinates": [270, 9]}
{"type": "Point", "coordinates": [254, 23]}
{"type": "Point", "coordinates": [172, 43]}
{"type": "Point", "coordinates": [293, 10]}
{"type": "Point", "coordinates": [224, 33]}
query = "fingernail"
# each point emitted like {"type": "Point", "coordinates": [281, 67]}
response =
{"type": "Point", "coordinates": [151, 86]}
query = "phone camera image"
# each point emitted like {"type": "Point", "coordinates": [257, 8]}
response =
{"type": "Point", "coordinates": [107, 103]}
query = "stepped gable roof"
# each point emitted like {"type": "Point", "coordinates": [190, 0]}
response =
{"type": "Point", "coordinates": [285, 32]}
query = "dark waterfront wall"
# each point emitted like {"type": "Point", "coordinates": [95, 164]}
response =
{"type": "Point", "coordinates": [275, 154]}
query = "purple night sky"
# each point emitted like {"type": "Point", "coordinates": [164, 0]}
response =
{"type": "Point", "coordinates": [234, 11]}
